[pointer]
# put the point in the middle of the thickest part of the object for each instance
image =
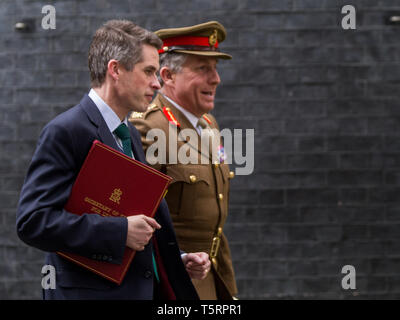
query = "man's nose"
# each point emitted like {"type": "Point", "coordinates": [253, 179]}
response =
{"type": "Point", "coordinates": [214, 77]}
{"type": "Point", "coordinates": [155, 84]}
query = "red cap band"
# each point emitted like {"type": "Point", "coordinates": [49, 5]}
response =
{"type": "Point", "coordinates": [187, 41]}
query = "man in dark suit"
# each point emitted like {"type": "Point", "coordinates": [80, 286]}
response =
{"type": "Point", "coordinates": [123, 61]}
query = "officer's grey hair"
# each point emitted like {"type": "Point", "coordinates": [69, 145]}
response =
{"type": "Point", "coordinates": [173, 61]}
{"type": "Point", "coordinates": [121, 40]}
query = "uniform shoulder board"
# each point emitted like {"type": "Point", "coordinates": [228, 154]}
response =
{"type": "Point", "coordinates": [136, 115]}
{"type": "Point", "coordinates": [139, 115]}
{"type": "Point", "coordinates": [151, 107]}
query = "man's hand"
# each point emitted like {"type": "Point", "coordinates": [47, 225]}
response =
{"type": "Point", "coordinates": [140, 231]}
{"type": "Point", "coordinates": [197, 264]}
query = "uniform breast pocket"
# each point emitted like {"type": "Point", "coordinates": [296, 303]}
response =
{"type": "Point", "coordinates": [189, 186]}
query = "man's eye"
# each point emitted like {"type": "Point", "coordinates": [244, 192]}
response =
{"type": "Point", "coordinates": [206, 69]}
{"type": "Point", "coordinates": [203, 69]}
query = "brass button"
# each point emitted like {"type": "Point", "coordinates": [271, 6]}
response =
{"type": "Point", "coordinates": [231, 174]}
{"type": "Point", "coordinates": [220, 196]}
{"type": "Point", "coordinates": [193, 178]}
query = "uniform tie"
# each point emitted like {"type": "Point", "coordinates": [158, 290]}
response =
{"type": "Point", "coordinates": [202, 123]}
{"type": "Point", "coordinates": [122, 132]}
{"type": "Point", "coordinates": [209, 134]}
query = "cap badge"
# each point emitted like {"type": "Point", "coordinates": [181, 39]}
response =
{"type": "Point", "coordinates": [212, 40]}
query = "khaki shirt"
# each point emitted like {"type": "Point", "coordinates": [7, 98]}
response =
{"type": "Point", "coordinates": [199, 194]}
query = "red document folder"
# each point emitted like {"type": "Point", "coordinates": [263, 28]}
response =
{"type": "Point", "coordinates": [113, 184]}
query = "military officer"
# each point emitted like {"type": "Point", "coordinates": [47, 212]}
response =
{"type": "Point", "coordinates": [198, 197]}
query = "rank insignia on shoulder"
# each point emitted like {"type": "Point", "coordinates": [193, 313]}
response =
{"type": "Point", "coordinates": [136, 115]}
{"type": "Point", "coordinates": [152, 106]}
{"type": "Point", "coordinates": [171, 118]}
{"type": "Point", "coordinates": [207, 119]}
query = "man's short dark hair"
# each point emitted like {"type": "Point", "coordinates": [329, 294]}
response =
{"type": "Point", "coordinates": [121, 40]}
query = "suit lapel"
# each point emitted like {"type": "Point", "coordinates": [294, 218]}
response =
{"type": "Point", "coordinates": [136, 144]}
{"type": "Point", "coordinates": [97, 119]}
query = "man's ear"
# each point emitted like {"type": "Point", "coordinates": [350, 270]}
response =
{"type": "Point", "coordinates": [113, 69]}
{"type": "Point", "coordinates": [167, 75]}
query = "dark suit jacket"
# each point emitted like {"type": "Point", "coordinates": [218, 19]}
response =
{"type": "Point", "coordinates": [43, 223]}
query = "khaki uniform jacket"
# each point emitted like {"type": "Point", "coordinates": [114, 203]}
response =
{"type": "Point", "coordinates": [199, 194]}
